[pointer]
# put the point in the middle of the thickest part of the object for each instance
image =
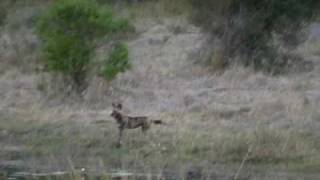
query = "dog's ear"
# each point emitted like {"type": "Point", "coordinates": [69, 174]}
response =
{"type": "Point", "coordinates": [113, 105]}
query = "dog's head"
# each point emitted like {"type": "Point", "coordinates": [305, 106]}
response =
{"type": "Point", "coordinates": [115, 111]}
{"type": "Point", "coordinates": [116, 116]}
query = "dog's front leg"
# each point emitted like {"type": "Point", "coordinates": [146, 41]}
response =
{"type": "Point", "coordinates": [119, 143]}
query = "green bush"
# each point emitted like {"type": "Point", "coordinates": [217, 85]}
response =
{"type": "Point", "coordinates": [4, 6]}
{"type": "Point", "coordinates": [246, 27]}
{"type": "Point", "coordinates": [68, 31]}
{"type": "Point", "coordinates": [118, 61]}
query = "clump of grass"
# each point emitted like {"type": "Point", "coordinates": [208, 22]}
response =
{"type": "Point", "coordinates": [267, 146]}
{"type": "Point", "coordinates": [311, 47]}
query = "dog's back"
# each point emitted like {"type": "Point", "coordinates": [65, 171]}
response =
{"type": "Point", "coordinates": [131, 122]}
{"type": "Point", "coordinates": [135, 122]}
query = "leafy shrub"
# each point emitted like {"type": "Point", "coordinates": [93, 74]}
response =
{"type": "Point", "coordinates": [4, 6]}
{"type": "Point", "coordinates": [246, 27]}
{"type": "Point", "coordinates": [68, 31]}
{"type": "Point", "coordinates": [3, 15]}
{"type": "Point", "coordinates": [118, 61]}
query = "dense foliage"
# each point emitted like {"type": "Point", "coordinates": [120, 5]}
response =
{"type": "Point", "coordinates": [69, 29]}
{"type": "Point", "coordinates": [4, 4]}
{"type": "Point", "coordinates": [246, 27]}
{"type": "Point", "coordinates": [118, 61]}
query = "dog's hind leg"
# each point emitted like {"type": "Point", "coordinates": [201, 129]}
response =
{"type": "Point", "coordinates": [145, 126]}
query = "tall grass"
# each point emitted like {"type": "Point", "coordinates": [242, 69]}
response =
{"type": "Point", "coordinates": [161, 147]}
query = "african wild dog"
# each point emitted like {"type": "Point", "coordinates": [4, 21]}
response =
{"type": "Point", "coordinates": [130, 122]}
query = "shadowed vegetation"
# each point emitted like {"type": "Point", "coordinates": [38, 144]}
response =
{"type": "Point", "coordinates": [247, 29]}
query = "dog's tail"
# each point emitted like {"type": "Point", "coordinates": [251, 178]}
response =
{"type": "Point", "coordinates": [158, 121]}
{"type": "Point", "coordinates": [100, 121]}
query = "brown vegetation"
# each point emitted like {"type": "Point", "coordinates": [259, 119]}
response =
{"type": "Point", "coordinates": [217, 120]}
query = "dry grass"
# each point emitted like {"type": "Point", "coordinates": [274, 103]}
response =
{"type": "Point", "coordinates": [280, 128]}
{"type": "Point", "coordinates": [213, 119]}
{"type": "Point", "coordinates": [181, 142]}
{"type": "Point", "coordinates": [19, 45]}
{"type": "Point", "coordinates": [158, 10]}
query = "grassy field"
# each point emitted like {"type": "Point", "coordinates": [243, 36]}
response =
{"type": "Point", "coordinates": [175, 150]}
{"type": "Point", "coordinates": [237, 124]}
